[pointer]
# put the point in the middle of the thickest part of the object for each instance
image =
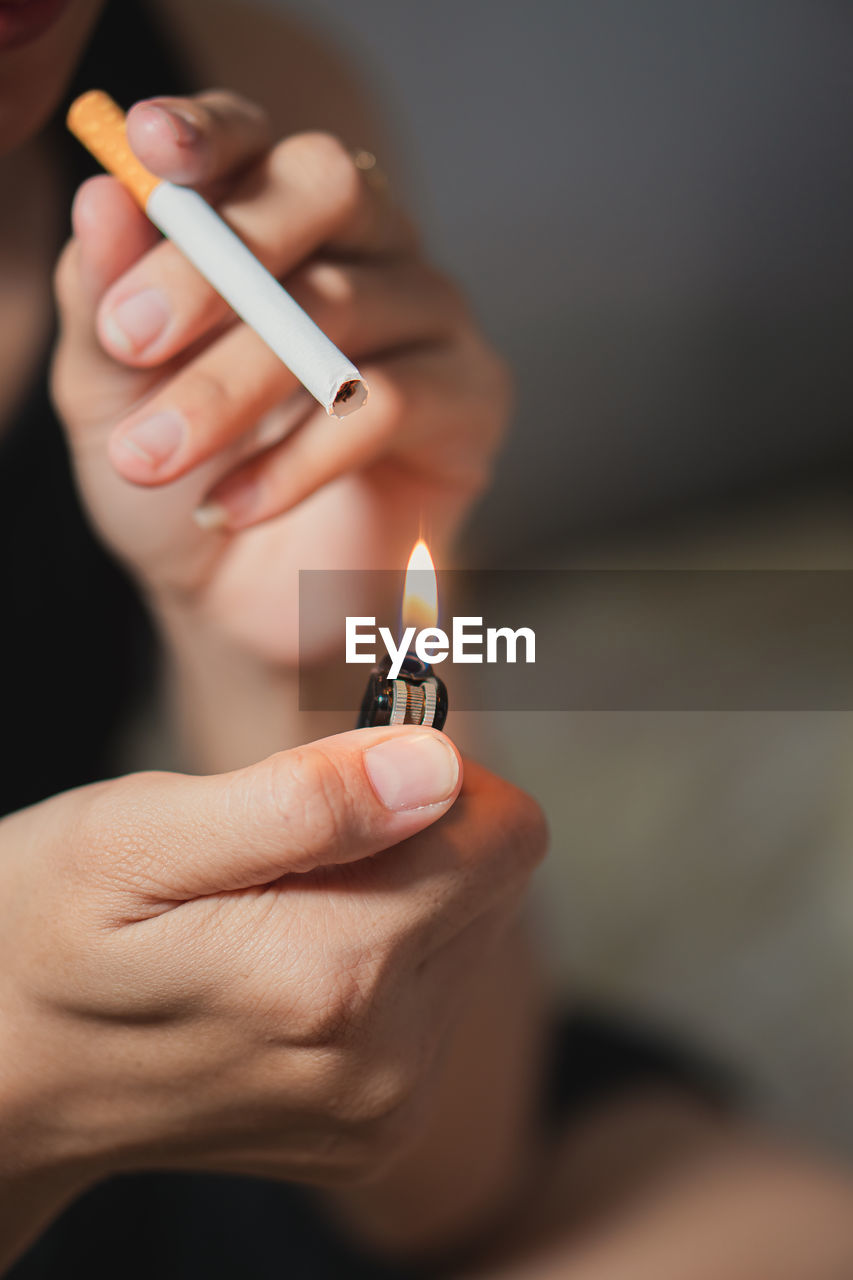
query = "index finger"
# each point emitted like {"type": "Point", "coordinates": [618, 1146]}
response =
{"type": "Point", "coordinates": [198, 141]}
{"type": "Point", "coordinates": [305, 196]}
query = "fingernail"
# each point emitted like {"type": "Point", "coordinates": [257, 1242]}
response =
{"type": "Point", "coordinates": [156, 438]}
{"type": "Point", "coordinates": [210, 515]}
{"type": "Point", "coordinates": [232, 506]}
{"type": "Point", "coordinates": [412, 770]}
{"type": "Point", "coordinates": [183, 127]}
{"type": "Point", "coordinates": [137, 321]}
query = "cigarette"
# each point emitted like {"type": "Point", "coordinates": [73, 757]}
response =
{"type": "Point", "coordinates": [186, 219]}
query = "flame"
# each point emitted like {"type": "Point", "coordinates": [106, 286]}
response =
{"type": "Point", "coordinates": [420, 595]}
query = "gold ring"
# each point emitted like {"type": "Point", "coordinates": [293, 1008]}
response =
{"type": "Point", "coordinates": [367, 165]}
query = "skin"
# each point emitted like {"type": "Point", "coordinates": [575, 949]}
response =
{"type": "Point", "coordinates": [426, 365]}
{"type": "Point", "coordinates": [356, 491]}
{"type": "Point", "coordinates": [299, 978]}
{"type": "Point", "coordinates": [35, 74]}
{"type": "Point", "coordinates": [655, 1189]}
{"type": "Point", "coordinates": [280, 953]}
{"type": "Point", "coordinates": [287, 484]}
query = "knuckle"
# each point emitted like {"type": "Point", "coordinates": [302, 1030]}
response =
{"type": "Point", "coordinates": [328, 293]}
{"type": "Point", "coordinates": [314, 797]}
{"type": "Point", "coordinates": [373, 1098]}
{"type": "Point", "coordinates": [334, 1009]}
{"type": "Point", "coordinates": [376, 1078]}
{"type": "Point", "coordinates": [223, 104]}
{"type": "Point", "coordinates": [218, 100]}
{"type": "Point", "coordinates": [383, 1100]}
{"type": "Point", "coordinates": [367, 1138]}
{"type": "Point", "coordinates": [203, 397]}
{"type": "Point", "coordinates": [322, 163]}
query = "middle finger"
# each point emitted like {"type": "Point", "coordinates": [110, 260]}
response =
{"type": "Point", "coordinates": [222, 393]}
{"type": "Point", "coordinates": [307, 193]}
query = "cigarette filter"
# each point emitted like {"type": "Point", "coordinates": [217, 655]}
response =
{"type": "Point", "coordinates": [186, 219]}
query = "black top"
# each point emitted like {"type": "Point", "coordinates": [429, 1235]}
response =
{"type": "Point", "coordinates": [178, 1226]}
{"type": "Point", "coordinates": [76, 651]}
{"type": "Point", "coordinates": [75, 643]}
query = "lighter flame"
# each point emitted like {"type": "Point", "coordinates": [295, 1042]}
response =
{"type": "Point", "coordinates": [420, 595]}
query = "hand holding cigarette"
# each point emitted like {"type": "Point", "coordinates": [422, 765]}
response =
{"type": "Point", "coordinates": [176, 407]}
{"type": "Point", "coordinates": [223, 259]}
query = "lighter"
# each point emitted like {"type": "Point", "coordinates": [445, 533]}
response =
{"type": "Point", "coordinates": [416, 696]}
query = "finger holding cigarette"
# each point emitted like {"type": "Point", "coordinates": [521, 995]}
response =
{"type": "Point", "coordinates": [186, 428]}
{"type": "Point", "coordinates": [217, 253]}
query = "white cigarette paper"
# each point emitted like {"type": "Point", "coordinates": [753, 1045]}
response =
{"type": "Point", "coordinates": [256, 296]}
{"type": "Point", "coordinates": [251, 291]}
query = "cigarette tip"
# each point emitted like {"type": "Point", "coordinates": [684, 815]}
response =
{"type": "Point", "coordinates": [350, 396]}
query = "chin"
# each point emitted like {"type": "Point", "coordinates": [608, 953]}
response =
{"type": "Point", "coordinates": [35, 72]}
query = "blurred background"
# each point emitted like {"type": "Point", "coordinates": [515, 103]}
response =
{"type": "Point", "coordinates": [650, 203]}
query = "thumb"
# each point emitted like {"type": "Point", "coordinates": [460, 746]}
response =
{"type": "Point", "coordinates": [334, 801]}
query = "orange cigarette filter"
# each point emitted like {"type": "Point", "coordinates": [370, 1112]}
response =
{"type": "Point", "coordinates": [99, 123]}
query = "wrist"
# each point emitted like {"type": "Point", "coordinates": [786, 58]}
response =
{"type": "Point", "coordinates": [41, 1102]}
{"type": "Point", "coordinates": [472, 1164]}
{"type": "Point", "coordinates": [44, 1164]}
{"type": "Point", "coordinates": [30, 1202]}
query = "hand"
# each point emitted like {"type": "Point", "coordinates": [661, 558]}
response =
{"type": "Point", "coordinates": [253, 972]}
{"type": "Point", "coordinates": [144, 337]}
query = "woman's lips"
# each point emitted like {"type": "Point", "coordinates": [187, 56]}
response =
{"type": "Point", "coordinates": [24, 20]}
